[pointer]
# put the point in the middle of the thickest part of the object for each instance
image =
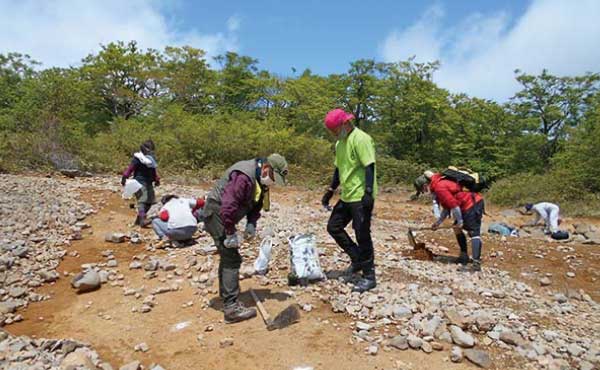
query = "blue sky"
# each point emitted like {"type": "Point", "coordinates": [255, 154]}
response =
{"type": "Point", "coordinates": [321, 35]}
{"type": "Point", "coordinates": [479, 43]}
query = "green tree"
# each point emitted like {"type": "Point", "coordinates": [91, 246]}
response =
{"type": "Point", "coordinates": [126, 77]}
{"type": "Point", "coordinates": [550, 104]}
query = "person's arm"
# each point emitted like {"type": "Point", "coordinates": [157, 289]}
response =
{"type": "Point", "coordinates": [535, 221]}
{"type": "Point", "coordinates": [436, 207]}
{"type": "Point", "coordinates": [443, 215]}
{"type": "Point", "coordinates": [369, 178]}
{"type": "Point", "coordinates": [237, 192]}
{"type": "Point", "coordinates": [128, 171]}
{"type": "Point", "coordinates": [335, 182]}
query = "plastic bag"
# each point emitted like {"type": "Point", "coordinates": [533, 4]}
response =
{"type": "Point", "coordinates": [131, 187]}
{"type": "Point", "coordinates": [261, 265]}
{"type": "Point", "coordinates": [305, 257]}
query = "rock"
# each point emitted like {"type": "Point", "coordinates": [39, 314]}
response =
{"type": "Point", "coordinates": [115, 237]}
{"type": "Point", "coordinates": [461, 338]}
{"type": "Point", "coordinates": [478, 357]}
{"type": "Point", "coordinates": [545, 281]}
{"type": "Point", "coordinates": [307, 307]}
{"type": "Point", "coordinates": [400, 312]}
{"type": "Point", "coordinates": [549, 335]}
{"type": "Point", "coordinates": [156, 367]}
{"type": "Point", "coordinates": [426, 347]}
{"type": "Point", "coordinates": [142, 347]}
{"type": "Point", "coordinates": [205, 251]}
{"type": "Point", "coordinates": [456, 355]}
{"type": "Point", "coordinates": [372, 350]}
{"type": "Point", "coordinates": [112, 263]}
{"type": "Point", "coordinates": [437, 346]}
{"type": "Point", "coordinates": [152, 265]}
{"type": "Point", "coordinates": [456, 319]}
{"type": "Point", "coordinates": [414, 342]}
{"type": "Point", "coordinates": [135, 365]}
{"type": "Point", "coordinates": [20, 252]}
{"type": "Point", "coordinates": [560, 298]}
{"type": "Point", "coordinates": [363, 326]}
{"type": "Point", "coordinates": [570, 274]}
{"type": "Point", "coordinates": [48, 276]}
{"type": "Point", "coordinates": [76, 361]}
{"type": "Point", "coordinates": [511, 338]}
{"type": "Point", "coordinates": [429, 327]}
{"type": "Point", "coordinates": [17, 292]}
{"type": "Point", "coordinates": [86, 281]}
{"type": "Point", "coordinates": [584, 365]}
{"type": "Point", "coordinates": [226, 342]}
{"type": "Point", "coordinates": [7, 307]}
{"type": "Point", "coordinates": [135, 265]}
{"type": "Point", "coordinates": [575, 350]}
{"type": "Point", "coordinates": [399, 342]}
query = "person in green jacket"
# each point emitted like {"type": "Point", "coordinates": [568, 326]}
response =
{"type": "Point", "coordinates": [355, 172]}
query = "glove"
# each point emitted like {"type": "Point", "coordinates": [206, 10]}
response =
{"type": "Point", "coordinates": [232, 241]}
{"type": "Point", "coordinates": [327, 197]}
{"type": "Point", "coordinates": [250, 231]}
{"type": "Point", "coordinates": [367, 200]}
{"type": "Point", "coordinates": [123, 180]}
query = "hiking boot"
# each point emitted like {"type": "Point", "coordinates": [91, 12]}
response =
{"type": "Point", "coordinates": [476, 267]}
{"type": "Point", "coordinates": [364, 284]}
{"type": "Point", "coordinates": [463, 259]}
{"type": "Point", "coordinates": [238, 312]}
{"type": "Point", "coordinates": [349, 273]}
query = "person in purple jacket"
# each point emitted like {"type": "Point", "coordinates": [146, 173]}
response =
{"type": "Point", "coordinates": [143, 167]}
{"type": "Point", "coordinates": [242, 192]}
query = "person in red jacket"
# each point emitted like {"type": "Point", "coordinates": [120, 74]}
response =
{"type": "Point", "coordinates": [467, 209]}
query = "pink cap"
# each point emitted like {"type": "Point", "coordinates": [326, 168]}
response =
{"type": "Point", "coordinates": [336, 118]}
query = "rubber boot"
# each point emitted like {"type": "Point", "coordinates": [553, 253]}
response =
{"type": "Point", "coordinates": [463, 259]}
{"type": "Point", "coordinates": [368, 281]}
{"type": "Point", "coordinates": [350, 272]}
{"type": "Point", "coordinates": [476, 246]}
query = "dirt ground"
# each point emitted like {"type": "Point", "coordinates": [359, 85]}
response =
{"type": "Point", "coordinates": [321, 340]}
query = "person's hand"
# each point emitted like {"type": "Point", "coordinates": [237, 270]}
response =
{"type": "Point", "coordinates": [123, 180]}
{"type": "Point", "coordinates": [326, 198]}
{"type": "Point", "coordinates": [250, 231]}
{"type": "Point", "coordinates": [367, 200]}
{"type": "Point", "coordinates": [232, 241]}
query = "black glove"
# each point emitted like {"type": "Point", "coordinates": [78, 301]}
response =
{"type": "Point", "coordinates": [123, 180]}
{"type": "Point", "coordinates": [327, 197]}
{"type": "Point", "coordinates": [367, 200]}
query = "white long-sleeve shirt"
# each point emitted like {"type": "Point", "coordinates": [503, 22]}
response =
{"type": "Point", "coordinates": [180, 212]}
{"type": "Point", "coordinates": [549, 212]}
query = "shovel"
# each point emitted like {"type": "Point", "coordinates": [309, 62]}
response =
{"type": "Point", "coordinates": [413, 241]}
{"type": "Point", "coordinates": [284, 319]}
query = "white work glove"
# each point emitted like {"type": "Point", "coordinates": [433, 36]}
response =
{"type": "Point", "coordinates": [250, 231]}
{"type": "Point", "coordinates": [232, 241]}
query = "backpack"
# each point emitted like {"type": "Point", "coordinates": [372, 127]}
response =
{"type": "Point", "coordinates": [560, 235]}
{"type": "Point", "coordinates": [466, 178]}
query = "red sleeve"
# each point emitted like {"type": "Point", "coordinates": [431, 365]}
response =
{"type": "Point", "coordinates": [164, 215]}
{"type": "Point", "coordinates": [199, 204]}
{"type": "Point", "coordinates": [129, 170]}
{"type": "Point", "coordinates": [238, 191]}
{"type": "Point", "coordinates": [445, 194]}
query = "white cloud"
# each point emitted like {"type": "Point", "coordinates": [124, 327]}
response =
{"type": "Point", "coordinates": [61, 33]}
{"type": "Point", "coordinates": [480, 53]}
{"type": "Point", "coordinates": [233, 23]}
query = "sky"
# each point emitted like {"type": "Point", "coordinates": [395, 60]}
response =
{"type": "Point", "coordinates": [478, 43]}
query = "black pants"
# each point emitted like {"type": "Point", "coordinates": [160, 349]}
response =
{"type": "Point", "coordinates": [361, 253]}
{"type": "Point", "coordinates": [230, 258]}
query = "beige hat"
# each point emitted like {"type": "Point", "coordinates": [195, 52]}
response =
{"type": "Point", "coordinates": [429, 174]}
